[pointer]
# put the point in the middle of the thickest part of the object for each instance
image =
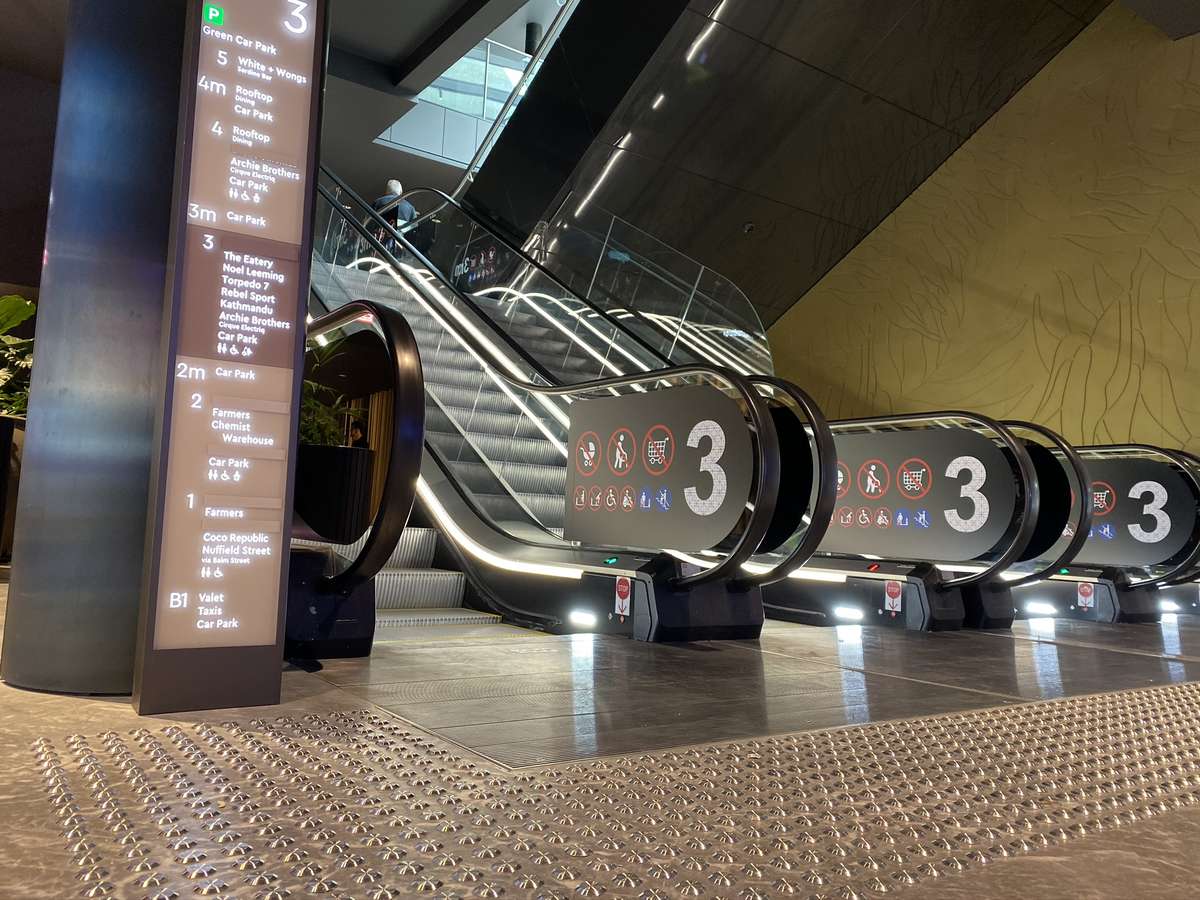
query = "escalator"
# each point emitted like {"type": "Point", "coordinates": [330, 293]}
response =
{"type": "Point", "coordinates": [506, 350]}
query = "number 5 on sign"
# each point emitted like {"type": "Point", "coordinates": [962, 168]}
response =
{"type": "Point", "coordinates": [297, 21]}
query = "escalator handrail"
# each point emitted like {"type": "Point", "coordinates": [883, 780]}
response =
{"type": "Point", "coordinates": [1025, 470]}
{"type": "Point", "coordinates": [1083, 523]}
{"type": "Point", "coordinates": [1188, 566]}
{"type": "Point", "coordinates": [404, 459]}
{"type": "Point", "coordinates": [518, 351]}
{"type": "Point", "coordinates": [766, 441]}
{"type": "Point", "coordinates": [528, 260]}
{"type": "Point", "coordinates": [824, 466]}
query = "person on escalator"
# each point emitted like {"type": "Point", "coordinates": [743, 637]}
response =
{"type": "Point", "coordinates": [395, 210]}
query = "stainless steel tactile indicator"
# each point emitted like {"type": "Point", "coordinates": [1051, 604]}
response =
{"type": "Point", "coordinates": [358, 805]}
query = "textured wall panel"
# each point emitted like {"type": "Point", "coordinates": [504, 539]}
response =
{"type": "Point", "coordinates": [1049, 270]}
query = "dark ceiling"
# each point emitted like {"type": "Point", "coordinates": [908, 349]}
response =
{"type": "Point", "coordinates": [31, 40]}
{"type": "Point", "coordinates": [767, 137]}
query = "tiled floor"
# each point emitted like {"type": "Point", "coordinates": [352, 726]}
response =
{"type": "Point", "coordinates": [523, 699]}
{"type": "Point", "coordinates": [1104, 788]}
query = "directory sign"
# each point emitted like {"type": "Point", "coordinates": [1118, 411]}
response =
{"type": "Point", "coordinates": [669, 468]}
{"type": "Point", "coordinates": [939, 494]}
{"type": "Point", "coordinates": [237, 317]}
{"type": "Point", "coordinates": [1143, 512]}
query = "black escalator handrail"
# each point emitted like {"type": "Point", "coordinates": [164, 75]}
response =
{"type": "Point", "coordinates": [404, 460]}
{"type": "Point", "coordinates": [1025, 470]}
{"type": "Point", "coordinates": [1187, 463]}
{"type": "Point", "coordinates": [766, 441]}
{"type": "Point", "coordinates": [520, 352]}
{"type": "Point", "coordinates": [528, 260]}
{"type": "Point", "coordinates": [1084, 521]}
{"type": "Point", "coordinates": [824, 466]}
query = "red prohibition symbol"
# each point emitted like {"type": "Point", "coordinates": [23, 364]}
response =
{"type": "Point", "coordinates": [843, 486]}
{"type": "Point", "coordinates": [658, 450]}
{"type": "Point", "coordinates": [1104, 498]}
{"type": "Point", "coordinates": [587, 454]}
{"type": "Point", "coordinates": [622, 452]}
{"type": "Point", "coordinates": [914, 478]}
{"type": "Point", "coordinates": [874, 479]}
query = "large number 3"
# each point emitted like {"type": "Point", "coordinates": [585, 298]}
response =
{"type": "Point", "coordinates": [980, 508]}
{"type": "Point", "coordinates": [708, 464]}
{"type": "Point", "coordinates": [1158, 499]}
{"type": "Point", "coordinates": [296, 22]}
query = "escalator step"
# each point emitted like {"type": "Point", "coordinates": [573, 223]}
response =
{"type": "Point", "coordinates": [414, 551]}
{"type": "Point", "coordinates": [419, 589]}
{"type": "Point", "coordinates": [415, 618]}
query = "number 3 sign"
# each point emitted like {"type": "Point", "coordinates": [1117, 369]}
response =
{"type": "Point", "coordinates": [952, 500]}
{"type": "Point", "coordinates": [694, 492]}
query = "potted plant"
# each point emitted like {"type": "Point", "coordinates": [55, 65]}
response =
{"type": "Point", "coordinates": [333, 481]}
{"type": "Point", "coordinates": [16, 366]}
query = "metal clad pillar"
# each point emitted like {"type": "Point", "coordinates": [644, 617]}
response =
{"type": "Point", "coordinates": [81, 520]}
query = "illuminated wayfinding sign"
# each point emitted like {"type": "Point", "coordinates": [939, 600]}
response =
{"type": "Point", "coordinates": [211, 623]}
{"type": "Point", "coordinates": [945, 494]}
{"type": "Point", "coordinates": [668, 468]}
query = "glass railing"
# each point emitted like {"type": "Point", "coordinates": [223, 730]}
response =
{"type": "Point", "coordinates": [506, 446]}
{"type": "Point", "coordinates": [684, 309]}
{"type": "Point", "coordinates": [496, 400]}
{"type": "Point", "coordinates": [564, 334]}
{"type": "Point", "coordinates": [504, 111]}
{"type": "Point", "coordinates": [481, 82]}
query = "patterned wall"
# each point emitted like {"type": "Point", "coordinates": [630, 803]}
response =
{"type": "Point", "coordinates": [1049, 270]}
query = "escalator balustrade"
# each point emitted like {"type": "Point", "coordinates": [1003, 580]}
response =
{"type": "Point", "coordinates": [1139, 554]}
{"type": "Point", "coordinates": [503, 369]}
{"type": "Point", "coordinates": [931, 511]}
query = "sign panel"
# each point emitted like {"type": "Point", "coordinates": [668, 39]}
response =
{"type": "Point", "coordinates": [1143, 513]}
{"type": "Point", "coordinates": [893, 597]}
{"type": "Point", "coordinates": [944, 494]}
{"type": "Point", "coordinates": [622, 595]}
{"type": "Point", "coordinates": [237, 326]}
{"type": "Point", "coordinates": [667, 468]}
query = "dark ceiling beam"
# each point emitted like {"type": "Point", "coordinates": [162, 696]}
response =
{"type": "Point", "coordinates": [1175, 18]}
{"type": "Point", "coordinates": [470, 23]}
{"type": "Point", "coordinates": [454, 22]}
{"type": "Point", "coordinates": [366, 72]}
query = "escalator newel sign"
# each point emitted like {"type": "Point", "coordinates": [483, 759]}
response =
{"type": "Point", "coordinates": [1143, 512]}
{"type": "Point", "coordinates": [943, 494]}
{"type": "Point", "coordinates": [670, 468]}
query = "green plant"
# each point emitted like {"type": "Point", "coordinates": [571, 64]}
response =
{"type": "Point", "coordinates": [16, 355]}
{"type": "Point", "coordinates": [323, 411]}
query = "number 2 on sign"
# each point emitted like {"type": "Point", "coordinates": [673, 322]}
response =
{"type": "Point", "coordinates": [296, 22]}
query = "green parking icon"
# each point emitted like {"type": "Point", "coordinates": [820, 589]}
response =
{"type": "Point", "coordinates": [213, 14]}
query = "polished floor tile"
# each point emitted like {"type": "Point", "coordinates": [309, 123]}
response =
{"type": "Point", "coordinates": [1176, 636]}
{"type": "Point", "coordinates": [549, 699]}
